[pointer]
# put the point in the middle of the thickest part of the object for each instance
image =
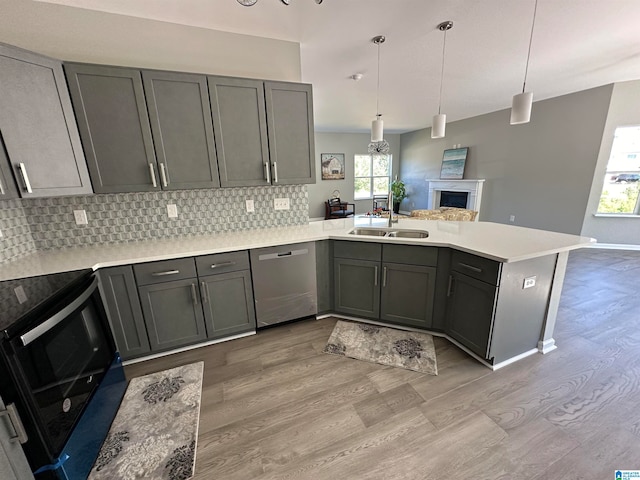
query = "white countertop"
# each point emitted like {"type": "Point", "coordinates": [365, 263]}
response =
{"type": "Point", "coordinates": [504, 243]}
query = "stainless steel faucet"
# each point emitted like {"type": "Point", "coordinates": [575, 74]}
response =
{"type": "Point", "coordinates": [390, 206]}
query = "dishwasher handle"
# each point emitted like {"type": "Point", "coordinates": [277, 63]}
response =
{"type": "Point", "coordinates": [285, 254]}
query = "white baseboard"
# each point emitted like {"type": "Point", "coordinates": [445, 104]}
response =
{"type": "Point", "coordinates": [614, 246]}
{"type": "Point", "coordinates": [546, 346]}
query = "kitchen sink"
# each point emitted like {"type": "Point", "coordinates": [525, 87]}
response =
{"type": "Point", "coordinates": [384, 232]}
{"type": "Point", "coordinates": [408, 234]}
{"type": "Point", "coordinates": [379, 232]}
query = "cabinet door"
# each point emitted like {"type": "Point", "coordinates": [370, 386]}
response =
{"type": "Point", "coordinates": [180, 118]}
{"type": "Point", "coordinates": [114, 127]}
{"type": "Point", "coordinates": [173, 314]}
{"type": "Point", "coordinates": [227, 301]}
{"type": "Point", "coordinates": [407, 294]}
{"type": "Point", "coordinates": [291, 135]}
{"type": "Point", "coordinates": [470, 308]}
{"type": "Point", "coordinates": [38, 127]}
{"type": "Point", "coordinates": [357, 287]}
{"type": "Point", "coordinates": [8, 188]}
{"type": "Point", "coordinates": [13, 463]}
{"type": "Point", "coordinates": [120, 295]}
{"type": "Point", "coordinates": [240, 129]}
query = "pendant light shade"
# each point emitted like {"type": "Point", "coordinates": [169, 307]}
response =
{"type": "Point", "coordinates": [439, 123]}
{"type": "Point", "coordinates": [521, 108]}
{"type": "Point", "coordinates": [522, 102]}
{"type": "Point", "coordinates": [378, 143]}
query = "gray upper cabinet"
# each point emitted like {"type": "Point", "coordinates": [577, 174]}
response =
{"type": "Point", "coordinates": [291, 135]}
{"type": "Point", "coordinates": [113, 122]}
{"type": "Point", "coordinates": [240, 126]}
{"type": "Point", "coordinates": [37, 126]}
{"type": "Point", "coordinates": [8, 188]}
{"type": "Point", "coordinates": [180, 118]}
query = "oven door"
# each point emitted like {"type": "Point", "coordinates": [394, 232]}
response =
{"type": "Point", "coordinates": [61, 362]}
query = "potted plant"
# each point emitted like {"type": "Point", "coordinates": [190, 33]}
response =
{"type": "Point", "coordinates": [399, 192]}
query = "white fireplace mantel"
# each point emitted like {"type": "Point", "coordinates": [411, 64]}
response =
{"type": "Point", "coordinates": [473, 187]}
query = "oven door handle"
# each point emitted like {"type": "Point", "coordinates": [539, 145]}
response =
{"type": "Point", "coordinates": [54, 320]}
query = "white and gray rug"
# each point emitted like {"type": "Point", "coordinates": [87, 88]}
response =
{"type": "Point", "coordinates": [155, 430]}
{"type": "Point", "coordinates": [387, 346]}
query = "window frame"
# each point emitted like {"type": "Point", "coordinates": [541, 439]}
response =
{"type": "Point", "coordinates": [372, 177]}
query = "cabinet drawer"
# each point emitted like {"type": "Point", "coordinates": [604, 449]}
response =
{"type": "Point", "coordinates": [357, 250]}
{"type": "Point", "coordinates": [410, 255]}
{"type": "Point", "coordinates": [476, 267]}
{"type": "Point", "coordinates": [222, 263]}
{"type": "Point", "coordinates": [164, 271]}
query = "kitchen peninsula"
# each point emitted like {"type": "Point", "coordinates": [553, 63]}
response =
{"type": "Point", "coordinates": [521, 270]}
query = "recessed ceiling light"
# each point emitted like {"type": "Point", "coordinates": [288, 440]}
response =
{"type": "Point", "coordinates": [247, 3]}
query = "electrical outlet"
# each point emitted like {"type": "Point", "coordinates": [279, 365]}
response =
{"type": "Point", "coordinates": [80, 217]}
{"type": "Point", "coordinates": [250, 206]}
{"type": "Point", "coordinates": [529, 282]}
{"type": "Point", "coordinates": [172, 210]}
{"type": "Point", "coordinates": [20, 295]}
{"type": "Point", "coordinates": [281, 203]}
{"type": "Point", "coordinates": [512, 218]}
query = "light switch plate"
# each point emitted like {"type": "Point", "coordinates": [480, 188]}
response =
{"type": "Point", "coordinates": [20, 294]}
{"type": "Point", "coordinates": [80, 217]}
{"type": "Point", "coordinates": [281, 204]}
{"type": "Point", "coordinates": [172, 210]}
{"type": "Point", "coordinates": [529, 282]}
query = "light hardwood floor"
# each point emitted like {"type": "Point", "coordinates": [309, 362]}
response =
{"type": "Point", "coordinates": [275, 407]}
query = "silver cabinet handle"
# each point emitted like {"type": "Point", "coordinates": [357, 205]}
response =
{"type": "Point", "coordinates": [203, 292]}
{"type": "Point", "coordinates": [267, 172]}
{"type": "Point", "coordinates": [162, 274]}
{"type": "Point", "coordinates": [163, 175]}
{"type": "Point", "coordinates": [14, 418]}
{"type": "Point", "coordinates": [25, 177]}
{"type": "Point", "coordinates": [223, 264]}
{"type": "Point", "coordinates": [384, 276]}
{"type": "Point", "coordinates": [470, 267]}
{"type": "Point", "coordinates": [194, 294]}
{"type": "Point", "coordinates": [375, 275]}
{"type": "Point", "coordinates": [449, 286]}
{"type": "Point", "coordinates": [1, 188]}
{"type": "Point", "coordinates": [275, 172]}
{"type": "Point", "coordinates": [153, 176]}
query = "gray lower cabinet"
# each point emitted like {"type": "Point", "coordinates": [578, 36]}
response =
{"type": "Point", "coordinates": [122, 304]}
{"type": "Point", "coordinates": [407, 294]}
{"type": "Point", "coordinates": [13, 463]}
{"type": "Point", "coordinates": [173, 314]}
{"type": "Point", "coordinates": [37, 127]}
{"type": "Point", "coordinates": [356, 287]}
{"type": "Point", "coordinates": [470, 309]}
{"type": "Point", "coordinates": [114, 126]}
{"type": "Point", "coordinates": [180, 117]}
{"type": "Point", "coordinates": [291, 135]}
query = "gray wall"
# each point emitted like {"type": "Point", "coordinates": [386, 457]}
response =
{"type": "Point", "coordinates": [350, 144]}
{"type": "Point", "coordinates": [622, 111]}
{"type": "Point", "coordinates": [541, 172]}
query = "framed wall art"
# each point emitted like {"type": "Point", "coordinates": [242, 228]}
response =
{"type": "Point", "coordinates": [453, 161]}
{"type": "Point", "coordinates": [332, 166]}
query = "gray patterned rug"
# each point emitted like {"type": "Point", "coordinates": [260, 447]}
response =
{"type": "Point", "coordinates": [387, 346]}
{"type": "Point", "coordinates": [155, 430]}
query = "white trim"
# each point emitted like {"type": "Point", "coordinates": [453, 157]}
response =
{"type": "Point", "coordinates": [528, 353]}
{"type": "Point", "coordinates": [613, 246]}
{"type": "Point", "coordinates": [616, 215]}
{"type": "Point", "coordinates": [186, 349]}
{"type": "Point", "coordinates": [472, 187]}
{"type": "Point", "coordinates": [546, 346]}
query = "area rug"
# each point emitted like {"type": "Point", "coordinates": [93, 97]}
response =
{"type": "Point", "coordinates": [154, 433]}
{"type": "Point", "coordinates": [383, 345]}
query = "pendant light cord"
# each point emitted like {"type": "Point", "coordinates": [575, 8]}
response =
{"type": "Point", "coordinates": [378, 86]}
{"type": "Point", "coordinates": [444, 44]}
{"type": "Point", "coordinates": [526, 68]}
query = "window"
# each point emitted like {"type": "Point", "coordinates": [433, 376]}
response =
{"type": "Point", "coordinates": [372, 175]}
{"type": "Point", "coordinates": [622, 180]}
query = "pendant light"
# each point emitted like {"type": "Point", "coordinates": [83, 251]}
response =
{"type": "Point", "coordinates": [378, 143]}
{"type": "Point", "coordinates": [439, 122]}
{"type": "Point", "coordinates": [522, 102]}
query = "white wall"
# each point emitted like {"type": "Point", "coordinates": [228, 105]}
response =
{"type": "Point", "coordinates": [83, 35]}
{"type": "Point", "coordinates": [541, 171]}
{"type": "Point", "coordinates": [350, 144]}
{"type": "Point", "coordinates": [624, 110]}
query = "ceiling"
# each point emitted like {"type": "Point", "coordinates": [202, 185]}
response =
{"type": "Point", "coordinates": [577, 44]}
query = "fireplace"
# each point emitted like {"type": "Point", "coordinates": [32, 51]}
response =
{"type": "Point", "coordinates": [455, 193]}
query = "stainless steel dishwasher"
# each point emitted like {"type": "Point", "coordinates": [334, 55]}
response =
{"type": "Point", "coordinates": [284, 282]}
